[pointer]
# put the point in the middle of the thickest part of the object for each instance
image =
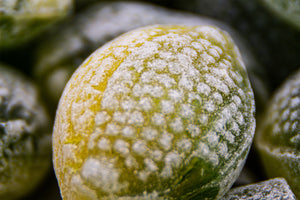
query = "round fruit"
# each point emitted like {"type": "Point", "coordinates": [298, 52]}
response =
{"type": "Point", "coordinates": [25, 139]}
{"type": "Point", "coordinates": [68, 45]}
{"type": "Point", "coordinates": [160, 112]}
{"type": "Point", "coordinates": [22, 20]}
{"type": "Point", "coordinates": [278, 139]}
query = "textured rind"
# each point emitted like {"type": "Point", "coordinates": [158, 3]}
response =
{"type": "Point", "coordinates": [25, 137]}
{"type": "Point", "coordinates": [71, 43]}
{"type": "Point", "coordinates": [273, 189]}
{"type": "Point", "coordinates": [274, 42]}
{"type": "Point", "coordinates": [23, 20]}
{"type": "Point", "coordinates": [193, 141]}
{"type": "Point", "coordinates": [278, 138]}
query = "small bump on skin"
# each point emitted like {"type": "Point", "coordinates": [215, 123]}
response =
{"type": "Point", "coordinates": [128, 131]}
{"type": "Point", "coordinates": [167, 106]}
{"type": "Point", "coordinates": [203, 88]}
{"type": "Point", "coordinates": [112, 129]}
{"type": "Point", "coordinates": [158, 119]}
{"type": "Point", "coordinates": [177, 125]}
{"type": "Point", "coordinates": [122, 147]}
{"type": "Point", "coordinates": [136, 118]}
{"type": "Point", "coordinates": [149, 133]}
{"type": "Point", "coordinates": [193, 130]}
{"type": "Point", "coordinates": [187, 111]}
{"type": "Point", "coordinates": [104, 144]}
{"type": "Point", "coordinates": [140, 148]}
{"type": "Point", "coordinates": [101, 118]}
{"type": "Point", "coordinates": [165, 141]}
{"type": "Point", "coordinates": [176, 95]}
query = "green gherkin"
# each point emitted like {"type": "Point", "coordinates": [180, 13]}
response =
{"type": "Point", "coordinates": [71, 43]}
{"type": "Point", "coordinates": [25, 139]}
{"type": "Point", "coordinates": [278, 138]}
{"type": "Point", "coordinates": [20, 20]}
{"type": "Point", "coordinates": [161, 112]}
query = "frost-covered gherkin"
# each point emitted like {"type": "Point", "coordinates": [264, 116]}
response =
{"type": "Point", "coordinates": [278, 138]}
{"type": "Point", "coordinates": [162, 112]}
{"type": "Point", "coordinates": [25, 136]}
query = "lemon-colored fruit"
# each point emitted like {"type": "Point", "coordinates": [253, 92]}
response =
{"type": "Point", "coordinates": [25, 137]}
{"type": "Point", "coordinates": [278, 138]}
{"type": "Point", "coordinates": [162, 112]}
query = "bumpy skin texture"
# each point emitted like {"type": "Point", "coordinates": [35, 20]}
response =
{"type": "Point", "coordinates": [160, 112]}
{"type": "Point", "coordinates": [67, 47]}
{"type": "Point", "coordinates": [278, 139]}
{"type": "Point", "coordinates": [25, 137]}
{"type": "Point", "coordinates": [275, 189]}
{"type": "Point", "coordinates": [275, 43]}
{"type": "Point", "coordinates": [21, 20]}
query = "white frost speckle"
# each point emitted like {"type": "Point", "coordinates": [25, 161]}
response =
{"type": "Point", "coordinates": [150, 165]}
{"type": "Point", "coordinates": [149, 133]}
{"type": "Point", "coordinates": [157, 64]}
{"type": "Point", "coordinates": [104, 144]}
{"type": "Point", "coordinates": [212, 138]}
{"type": "Point", "coordinates": [186, 83]}
{"type": "Point", "coordinates": [177, 125]}
{"type": "Point", "coordinates": [173, 159]}
{"type": "Point", "coordinates": [209, 106]}
{"type": "Point", "coordinates": [112, 129]}
{"type": "Point", "coordinates": [156, 155]}
{"type": "Point", "coordinates": [203, 119]}
{"type": "Point", "coordinates": [176, 95]}
{"type": "Point", "coordinates": [146, 103]}
{"type": "Point", "coordinates": [130, 162]}
{"type": "Point", "coordinates": [295, 102]}
{"type": "Point", "coordinates": [140, 148]}
{"type": "Point", "coordinates": [120, 117]}
{"type": "Point", "coordinates": [136, 118]}
{"type": "Point", "coordinates": [167, 106]}
{"type": "Point", "coordinates": [102, 174]}
{"type": "Point", "coordinates": [202, 150]}
{"type": "Point", "coordinates": [158, 119]}
{"type": "Point", "coordinates": [187, 111]}
{"type": "Point", "coordinates": [128, 131]}
{"type": "Point", "coordinates": [122, 147]}
{"type": "Point", "coordinates": [194, 130]}
{"type": "Point", "coordinates": [128, 104]}
{"type": "Point", "coordinates": [203, 89]}
{"type": "Point", "coordinates": [165, 141]}
{"type": "Point", "coordinates": [217, 97]}
{"type": "Point", "coordinates": [184, 145]}
{"type": "Point", "coordinates": [101, 118]}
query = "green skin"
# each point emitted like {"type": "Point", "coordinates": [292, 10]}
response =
{"type": "Point", "coordinates": [21, 21]}
{"type": "Point", "coordinates": [25, 142]}
{"type": "Point", "coordinates": [278, 139]}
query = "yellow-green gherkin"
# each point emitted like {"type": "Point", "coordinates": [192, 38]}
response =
{"type": "Point", "coordinates": [160, 112]}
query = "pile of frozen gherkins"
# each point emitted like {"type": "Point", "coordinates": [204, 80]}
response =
{"type": "Point", "coordinates": [149, 100]}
